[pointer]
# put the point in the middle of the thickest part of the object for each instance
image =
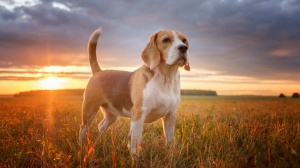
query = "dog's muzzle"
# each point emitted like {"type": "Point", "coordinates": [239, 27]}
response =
{"type": "Point", "coordinates": [182, 59]}
{"type": "Point", "coordinates": [182, 55]}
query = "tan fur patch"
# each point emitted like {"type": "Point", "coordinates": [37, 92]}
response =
{"type": "Point", "coordinates": [150, 54]}
{"type": "Point", "coordinates": [107, 87]}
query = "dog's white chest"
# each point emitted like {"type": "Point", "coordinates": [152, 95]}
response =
{"type": "Point", "coordinates": [160, 99]}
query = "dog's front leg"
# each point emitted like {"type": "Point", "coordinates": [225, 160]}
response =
{"type": "Point", "coordinates": [169, 127]}
{"type": "Point", "coordinates": [136, 130]}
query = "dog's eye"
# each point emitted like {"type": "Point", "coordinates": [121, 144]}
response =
{"type": "Point", "coordinates": [166, 40]}
{"type": "Point", "coordinates": [184, 40]}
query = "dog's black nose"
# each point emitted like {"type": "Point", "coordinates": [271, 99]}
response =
{"type": "Point", "coordinates": [182, 48]}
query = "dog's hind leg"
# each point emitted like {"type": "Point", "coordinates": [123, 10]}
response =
{"type": "Point", "coordinates": [109, 119]}
{"type": "Point", "coordinates": [89, 110]}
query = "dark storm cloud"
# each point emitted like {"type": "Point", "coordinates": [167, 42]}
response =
{"type": "Point", "coordinates": [245, 38]}
{"type": "Point", "coordinates": [255, 38]}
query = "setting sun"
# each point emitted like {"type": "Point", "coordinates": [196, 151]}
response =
{"type": "Point", "coordinates": [51, 83]}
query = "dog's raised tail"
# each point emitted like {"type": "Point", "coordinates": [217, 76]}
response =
{"type": "Point", "coordinates": [92, 45]}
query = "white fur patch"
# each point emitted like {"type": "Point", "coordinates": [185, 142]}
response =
{"type": "Point", "coordinates": [126, 113]}
{"type": "Point", "coordinates": [136, 130]}
{"type": "Point", "coordinates": [95, 36]}
{"type": "Point", "coordinates": [161, 98]}
{"type": "Point", "coordinates": [173, 53]}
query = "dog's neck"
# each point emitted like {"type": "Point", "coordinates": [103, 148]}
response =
{"type": "Point", "coordinates": [166, 70]}
{"type": "Point", "coordinates": [167, 76]}
{"type": "Point", "coordinates": [163, 73]}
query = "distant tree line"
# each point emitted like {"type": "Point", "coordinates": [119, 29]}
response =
{"type": "Point", "coordinates": [199, 92]}
{"type": "Point", "coordinates": [295, 95]}
{"type": "Point", "coordinates": [79, 92]}
{"type": "Point", "coordinates": [67, 92]}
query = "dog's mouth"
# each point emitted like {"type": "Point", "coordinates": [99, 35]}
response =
{"type": "Point", "coordinates": [181, 61]}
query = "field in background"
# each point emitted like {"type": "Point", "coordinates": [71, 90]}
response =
{"type": "Point", "coordinates": [210, 132]}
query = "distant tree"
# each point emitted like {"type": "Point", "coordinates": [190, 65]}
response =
{"type": "Point", "coordinates": [282, 95]}
{"type": "Point", "coordinates": [295, 95]}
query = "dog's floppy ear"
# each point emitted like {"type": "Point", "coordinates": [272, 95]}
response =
{"type": "Point", "coordinates": [151, 54]}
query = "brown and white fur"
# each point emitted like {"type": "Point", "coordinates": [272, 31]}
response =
{"type": "Point", "coordinates": [145, 95]}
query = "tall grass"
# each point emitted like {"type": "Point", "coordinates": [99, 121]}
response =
{"type": "Point", "coordinates": [216, 133]}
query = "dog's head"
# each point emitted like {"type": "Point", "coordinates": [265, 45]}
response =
{"type": "Point", "coordinates": [169, 47]}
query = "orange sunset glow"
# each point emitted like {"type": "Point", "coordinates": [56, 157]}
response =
{"type": "Point", "coordinates": [232, 50]}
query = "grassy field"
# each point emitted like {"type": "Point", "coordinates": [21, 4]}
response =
{"type": "Point", "coordinates": [210, 132]}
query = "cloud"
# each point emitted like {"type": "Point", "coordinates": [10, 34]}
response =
{"type": "Point", "coordinates": [256, 39]}
{"type": "Point", "coordinates": [33, 74]}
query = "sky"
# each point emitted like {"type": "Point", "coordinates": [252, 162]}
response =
{"type": "Point", "coordinates": [237, 47]}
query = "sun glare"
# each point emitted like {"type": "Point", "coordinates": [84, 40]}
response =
{"type": "Point", "coordinates": [51, 83]}
{"type": "Point", "coordinates": [53, 69]}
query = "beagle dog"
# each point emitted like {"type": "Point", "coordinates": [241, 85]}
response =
{"type": "Point", "coordinates": [145, 95]}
